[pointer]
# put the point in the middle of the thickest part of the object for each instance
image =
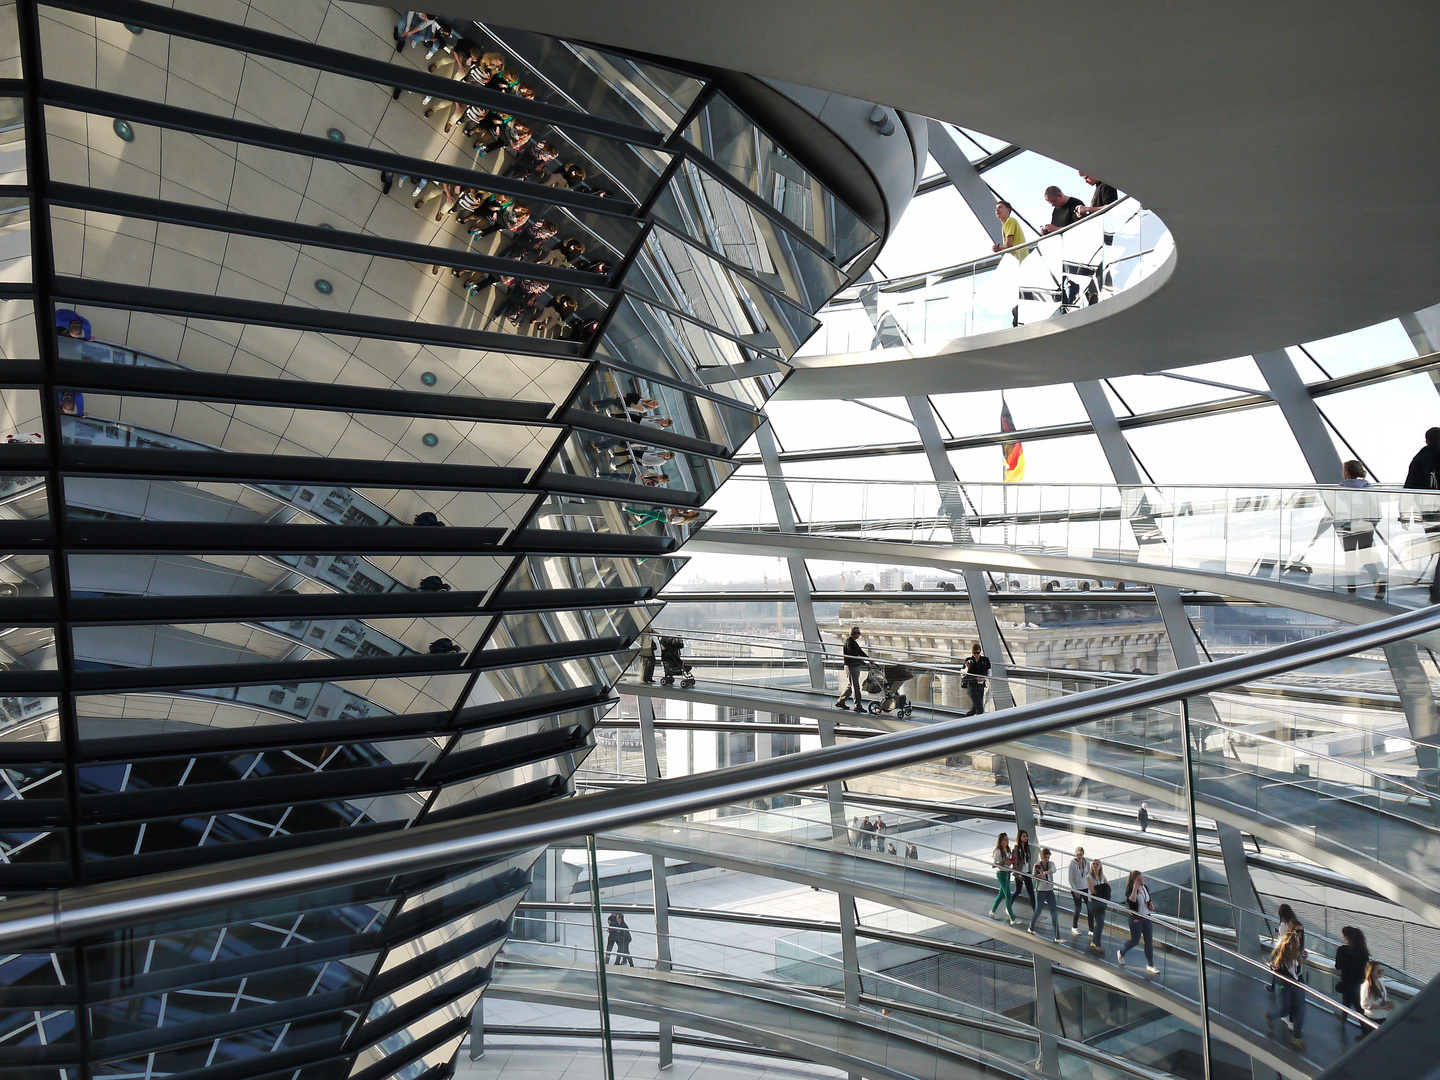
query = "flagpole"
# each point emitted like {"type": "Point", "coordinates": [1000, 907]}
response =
{"type": "Point", "coordinates": [1004, 483]}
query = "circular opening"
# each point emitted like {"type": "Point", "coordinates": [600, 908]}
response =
{"type": "Point", "coordinates": [124, 130]}
{"type": "Point", "coordinates": [335, 135]}
{"type": "Point", "coordinates": [430, 439]}
{"type": "Point", "coordinates": [428, 378]}
{"type": "Point", "coordinates": [323, 287]}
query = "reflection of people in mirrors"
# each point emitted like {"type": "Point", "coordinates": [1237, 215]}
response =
{"type": "Point", "coordinates": [666, 515]}
{"type": "Point", "coordinates": [72, 324]}
{"type": "Point", "coordinates": [71, 402]}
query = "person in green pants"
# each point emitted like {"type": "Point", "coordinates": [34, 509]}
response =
{"type": "Point", "coordinates": [1004, 863]}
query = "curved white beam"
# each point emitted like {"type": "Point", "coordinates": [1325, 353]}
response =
{"type": "Point", "coordinates": [1345, 609]}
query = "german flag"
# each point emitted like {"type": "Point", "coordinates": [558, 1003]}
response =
{"type": "Point", "coordinates": [1014, 451]}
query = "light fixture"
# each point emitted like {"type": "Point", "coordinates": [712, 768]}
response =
{"type": "Point", "coordinates": [134, 29]}
{"type": "Point", "coordinates": [323, 287]}
{"type": "Point", "coordinates": [430, 439]}
{"type": "Point", "coordinates": [124, 130]}
{"type": "Point", "coordinates": [428, 378]}
{"type": "Point", "coordinates": [335, 135]}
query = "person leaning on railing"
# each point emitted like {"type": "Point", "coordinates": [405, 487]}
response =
{"type": "Point", "coordinates": [1105, 195]}
{"type": "Point", "coordinates": [1012, 236]}
{"type": "Point", "coordinates": [1066, 209]}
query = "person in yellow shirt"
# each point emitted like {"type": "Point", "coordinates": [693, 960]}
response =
{"type": "Point", "coordinates": [1011, 235]}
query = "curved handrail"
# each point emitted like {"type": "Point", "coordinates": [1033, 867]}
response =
{"type": "Point", "coordinates": [1182, 931]}
{"type": "Point", "coordinates": [966, 1014]}
{"type": "Point", "coordinates": [63, 914]}
{"type": "Point", "coordinates": [851, 293]}
{"type": "Point", "coordinates": [1410, 791]}
{"type": "Point", "coordinates": [1060, 271]}
{"type": "Point", "coordinates": [804, 650]}
{"type": "Point", "coordinates": [1182, 927]}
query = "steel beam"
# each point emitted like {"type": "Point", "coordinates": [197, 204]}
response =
{"type": "Point", "coordinates": [965, 177]}
{"type": "Point", "coordinates": [659, 883]}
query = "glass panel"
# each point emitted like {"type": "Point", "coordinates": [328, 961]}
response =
{"type": "Point", "coordinates": [624, 396]}
{"type": "Point", "coordinates": [145, 423]}
{"type": "Point", "coordinates": [597, 82]}
{"type": "Point", "coordinates": [138, 715]}
{"type": "Point", "coordinates": [289, 504]}
{"type": "Point", "coordinates": [181, 574]}
{"type": "Point", "coordinates": [657, 340]}
{"type": "Point", "coordinates": [15, 264]}
{"type": "Point", "coordinates": [210, 78]}
{"type": "Point", "coordinates": [153, 340]}
{"type": "Point", "coordinates": [209, 263]}
{"type": "Point", "coordinates": [699, 206]}
{"type": "Point", "coordinates": [612, 458]}
{"type": "Point", "coordinates": [550, 627]}
{"type": "Point", "coordinates": [591, 572]}
{"type": "Point", "coordinates": [590, 673]}
{"type": "Point", "coordinates": [12, 117]}
{"type": "Point", "coordinates": [630, 517]}
{"type": "Point", "coordinates": [678, 275]}
{"type": "Point", "coordinates": [269, 641]}
{"type": "Point", "coordinates": [727, 136]}
{"type": "Point", "coordinates": [212, 173]}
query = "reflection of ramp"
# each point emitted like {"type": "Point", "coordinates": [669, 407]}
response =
{"type": "Point", "coordinates": [799, 1025]}
{"type": "Point", "coordinates": [1236, 1001]}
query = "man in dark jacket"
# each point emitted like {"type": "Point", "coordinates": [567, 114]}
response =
{"type": "Point", "coordinates": [854, 664]}
{"type": "Point", "coordinates": [977, 674]}
{"type": "Point", "coordinates": [1424, 475]}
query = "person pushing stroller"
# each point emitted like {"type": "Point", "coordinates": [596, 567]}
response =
{"type": "Point", "coordinates": [855, 658]}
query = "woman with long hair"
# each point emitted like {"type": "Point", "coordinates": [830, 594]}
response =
{"type": "Point", "coordinates": [1351, 961]}
{"type": "Point", "coordinates": [1288, 920]}
{"type": "Point", "coordinates": [1024, 860]}
{"type": "Point", "coordinates": [1098, 890]}
{"type": "Point", "coordinates": [1142, 927]}
{"type": "Point", "coordinates": [1374, 998]}
{"type": "Point", "coordinates": [1285, 963]}
{"type": "Point", "coordinates": [1003, 862]}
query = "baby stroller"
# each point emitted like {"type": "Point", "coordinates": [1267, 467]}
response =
{"type": "Point", "coordinates": [670, 659]}
{"type": "Point", "coordinates": [887, 681]}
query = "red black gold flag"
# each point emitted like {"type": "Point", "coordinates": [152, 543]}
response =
{"type": "Point", "coordinates": [1014, 451]}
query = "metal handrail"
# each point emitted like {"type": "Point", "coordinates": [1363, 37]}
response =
{"type": "Point", "coordinates": [970, 266]}
{"type": "Point", "coordinates": [64, 915]}
{"type": "Point", "coordinates": [986, 1020]}
{"type": "Point", "coordinates": [1111, 486]}
{"type": "Point", "coordinates": [798, 647]}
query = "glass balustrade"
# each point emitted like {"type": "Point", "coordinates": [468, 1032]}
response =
{"type": "Point", "coordinates": [1376, 544]}
{"type": "Point", "coordinates": [791, 973]}
{"type": "Point", "coordinates": [1083, 265]}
